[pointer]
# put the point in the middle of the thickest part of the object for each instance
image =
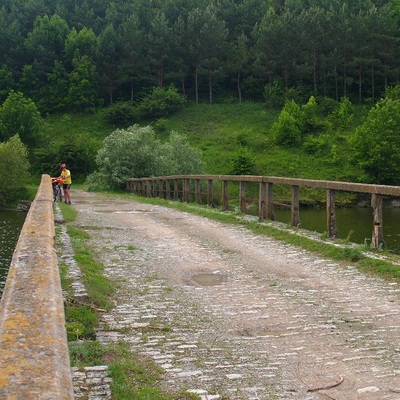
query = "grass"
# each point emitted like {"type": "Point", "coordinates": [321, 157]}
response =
{"type": "Point", "coordinates": [133, 377]}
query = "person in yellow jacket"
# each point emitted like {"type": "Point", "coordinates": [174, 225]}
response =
{"type": "Point", "coordinates": [67, 181]}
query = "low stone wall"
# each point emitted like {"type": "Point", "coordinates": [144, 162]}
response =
{"type": "Point", "coordinates": [34, 360]}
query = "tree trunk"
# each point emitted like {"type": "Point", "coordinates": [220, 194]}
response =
{"type": "Point", "coordinates": [110, 85]}
{"type": "Point", "coordinates": [161, 74]}
{"type": "Point", "coordinates": [210, 85]}
{"type": "Point", "coordinates": [373, 83]}
{"type": "Point", "coordinates": [196, 84]}
{"type": "Point", "coordinates": [315, 71]}
{"type": "Point", "coordinates": [238, 87]}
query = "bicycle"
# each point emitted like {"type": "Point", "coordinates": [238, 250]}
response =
{"type": "Point", "coordinates": [57, 192]}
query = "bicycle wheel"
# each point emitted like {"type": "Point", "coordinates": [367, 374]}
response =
{"type": "Point", "coordinates": [59, 193]}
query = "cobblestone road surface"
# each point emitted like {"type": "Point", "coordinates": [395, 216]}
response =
{"type": "Point", "coordinates": [232, 315]}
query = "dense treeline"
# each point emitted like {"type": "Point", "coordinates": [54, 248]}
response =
{"type": "Point", "coordinates": [78, 55]}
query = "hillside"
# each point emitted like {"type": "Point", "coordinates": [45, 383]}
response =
{"type": "Point", "coordinates": [219, 130]}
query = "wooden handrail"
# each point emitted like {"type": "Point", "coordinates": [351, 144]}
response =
{"type": "Point", "coordinates": [265, 201]}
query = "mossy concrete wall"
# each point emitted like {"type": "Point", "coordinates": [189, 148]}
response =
{"type": "Point", "coordinates": [34, 361]}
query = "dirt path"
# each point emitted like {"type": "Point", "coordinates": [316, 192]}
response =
{"type": "Point", "coordinates": [228, 313]}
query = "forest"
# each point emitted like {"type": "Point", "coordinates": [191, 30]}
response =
{"type": "Point", "coordinates": [311, 88]}
{"type": "Point", "coordinates": [85, 54]}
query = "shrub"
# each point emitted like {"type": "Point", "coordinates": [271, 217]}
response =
{"type": "Point", "coordinates": [14, 167]}
{"type": "Point", "coordinates": [19, 115]}
{"type": "Point", "coordinates": [243, 162]}
{"type": "Point", "coordinates": [288, 127]}
{"type": "Point", "coordinates": [376, 143]}
{"type": "Point", "coordinates": [161, 103]}
{"type": "Point", "coordinates": [121, 114]}
{"type": "Point", "coordinates": [135, 152]}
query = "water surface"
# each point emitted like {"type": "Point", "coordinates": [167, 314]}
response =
{"type": "Point", "coordinates": [10, 227]}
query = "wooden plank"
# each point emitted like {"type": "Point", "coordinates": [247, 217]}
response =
{"type": "Point", "coordinates": [377, 232]}
{"type": "Point", "coordinates": [242, 195]}
{"type": "Point", "coordinates": [331, 213]}
{"type": "Point", "coordinates": [198, 191]}
{"type": "Point", "coordinates": [225, 196]}
{"type": "Point", "coordinates": [210, 200]}
{"type": "Point", "coordinates": [295, 208]}
{"type": "Point", "coordinates": [262, 201]}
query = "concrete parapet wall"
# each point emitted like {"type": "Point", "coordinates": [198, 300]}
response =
{"type": "Point", "coordinates": [34, 360]}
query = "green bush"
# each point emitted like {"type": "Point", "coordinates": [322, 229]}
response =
{"type": "Point", "coordinates": [14, 167]}
{"type": "Point", "coordinates": [161, 103]}
{"type": "Point", "coordinates": [78, 152]}
{"type": "Point", "coordinates": [135, 152]}
{"type": "Point", "coordinates": [288, 127]}
{"type": "Point", "coordinates": [19, 115]}
{"type": "Point", "coordinates": [376, 143]}
{"type": "Point", "coordinates": [121, 114]}
{"type": "Point", "coordinates": [243, 162]}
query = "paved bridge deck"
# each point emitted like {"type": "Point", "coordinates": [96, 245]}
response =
{"type": "Point", "coordinates": [227, 312]}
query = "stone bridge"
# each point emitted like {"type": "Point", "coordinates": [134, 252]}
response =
{"type": "Point", "coordinates": [227, 314]}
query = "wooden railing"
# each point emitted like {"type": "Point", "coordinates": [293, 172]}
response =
{"type": "Point", "coordinates": [180, 187]}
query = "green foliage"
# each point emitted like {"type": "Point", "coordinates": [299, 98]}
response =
{"type": "Point", "coordinates": [276, 95]}
{"type": "Point", "coordinates": [343, 115]}
{"type": "Point", "coordinates": [6, 82]}
{"type": "Point", "coordinates": [243, 162]}
{"type": "Point", "coordinates": [288, 127]}
{"type": "Point", "coordinates": [83, 90]}
{"type": "Point", "coordinates": [19, 115]}
{"type": "Point", "coordinates": [318, 145]}
{"type": "Point", "coordinates": [312, 121]}
{"type": "Point", "coordinates": [80, 322]}
{"type": "Point", "coordinates": [14, 167]}
{"type": "Point", "coordinates": [136, 152]}
{"type": "Point", "coordinates": [56, 98]}
{"type": "Point", "coordinates": [121, 114]}
{"type": "Point", "coordinates": [86, 353]}
{"type": "Point", "coordinates": [78, 152]}
{"type": "Point", "coordinates": [161, 103]}
{"type": "Point", "coordinates": [376, 143]}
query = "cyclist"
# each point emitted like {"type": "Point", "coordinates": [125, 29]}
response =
{"type": "Point", "coordinates": [66, 178]}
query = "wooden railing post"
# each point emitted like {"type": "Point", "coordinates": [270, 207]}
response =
{"type": "Point", "coordinates": [295, 208]}
{"type": "Point", "coordinates": [377, 232]}
{"type": "Point", "coordinates": [161, 189]}
{"type": "Point", "coordinates": [197, 189]}
{"type": "Point", "coordinates": [262, 201]}
{"type": "Point", "coordinates": [331, 213]}
{"type": "Point", "coordinates": [168, 189]}
{"type": "Point", "coordinates": [186, 189]}
{"type": "Point", "coordinates": [270, 204]}
{"type": "Point", "coordinates": [210, 201]}
{"type": "Point", "coordinates": [225, 196]}
{"type": "Point", "coordinates": [148, 188]}
{"type": "Point", "coordinates": [176, 189]}
{"type": "Point", "coordinates": [242, 194]}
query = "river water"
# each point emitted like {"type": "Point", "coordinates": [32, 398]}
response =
{"type": "Point", "coordinates": [10, 227]}
{"type": "Point", "coordinates": [354, 224]}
